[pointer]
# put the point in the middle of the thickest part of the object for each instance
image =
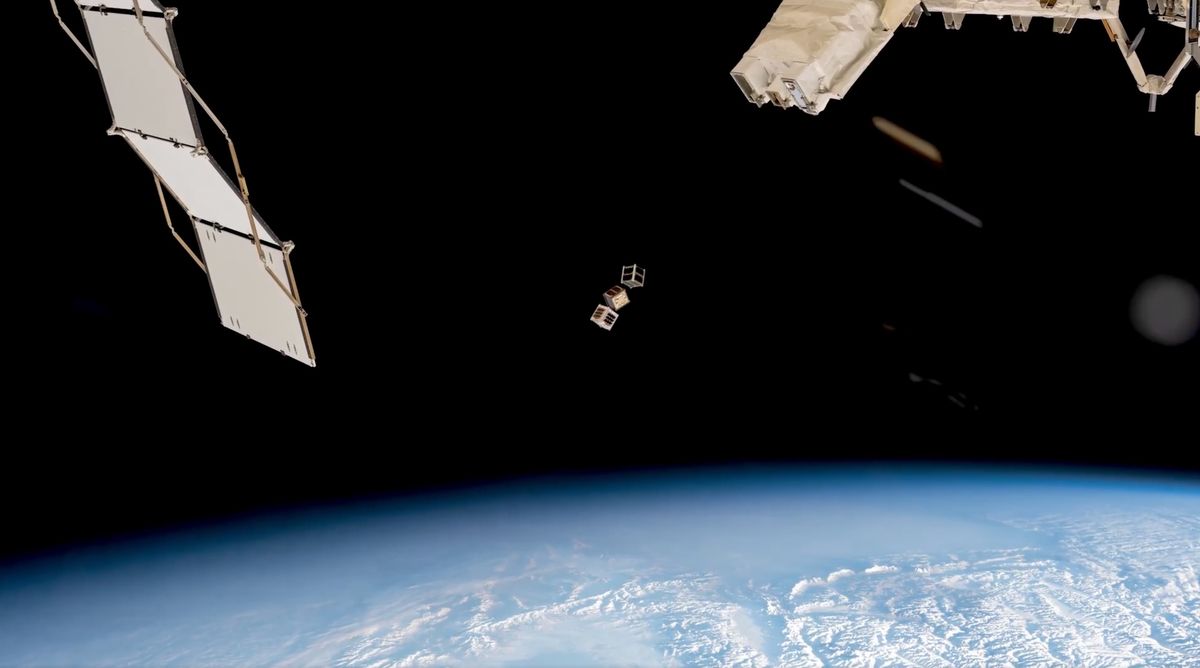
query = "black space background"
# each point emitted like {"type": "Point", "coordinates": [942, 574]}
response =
{"type": "Point", "coordinates": [461, 190]}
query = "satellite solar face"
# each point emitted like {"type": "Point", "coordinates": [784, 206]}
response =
{"type": "Point", "coordinates": [905, 367]}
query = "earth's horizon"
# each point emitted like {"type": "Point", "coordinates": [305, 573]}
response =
{"type": "Point", "coordinates": [837, 565]}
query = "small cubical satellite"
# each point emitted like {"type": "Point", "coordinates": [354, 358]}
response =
{"type": "Point", "coordinates": [154, 110]}
{"type": "Point", "coordinates": [812, 51]}
{"type": "Point", "coordinates": [605, 315]}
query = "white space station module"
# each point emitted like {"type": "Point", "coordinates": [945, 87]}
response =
{"type": "Point", "coordinates": [154, 110]}
{"type": "Point", "coordinates": [812, 51]}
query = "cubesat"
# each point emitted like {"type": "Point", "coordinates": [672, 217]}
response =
{"type": "Point", "coordinates": [605, 315]}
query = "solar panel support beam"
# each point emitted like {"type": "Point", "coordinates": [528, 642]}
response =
{"type": "Point", "coordinates": [167, 215]}
{"type": "Point", "coordinates": [87, 54]}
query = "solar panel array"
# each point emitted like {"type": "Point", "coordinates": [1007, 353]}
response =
{"type": "Point", "coordinates": [154, 109]}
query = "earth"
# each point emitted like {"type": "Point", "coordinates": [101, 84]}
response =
{"type": "Point", "coordinates": [833, 566]}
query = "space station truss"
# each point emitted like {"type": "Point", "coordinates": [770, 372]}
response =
{"type": "Point", "coordinates": [154, 109]}
{"type": "Point", "coordinates": [813, 51]}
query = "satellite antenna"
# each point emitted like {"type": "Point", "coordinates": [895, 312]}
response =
{"type": "Point", "coordinates": [153, 107]}
{"type": "Point", "coordinates": [812, 51]}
